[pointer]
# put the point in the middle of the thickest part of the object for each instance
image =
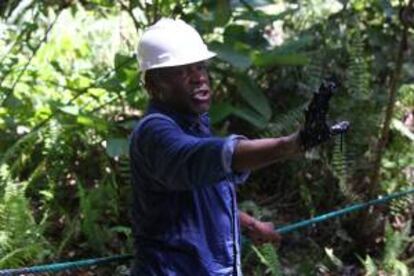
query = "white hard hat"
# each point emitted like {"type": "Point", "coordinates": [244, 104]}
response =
{"type": "Point", "coordinates": [171, 42]}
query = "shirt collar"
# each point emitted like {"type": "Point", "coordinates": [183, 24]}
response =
{"type": "Point", "coordinates": [186, 119]}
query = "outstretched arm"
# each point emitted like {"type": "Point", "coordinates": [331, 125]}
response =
{"type": "Point", "coordinates": [257, 153]}
{"type": "Point", "coordinates": [253, 154]}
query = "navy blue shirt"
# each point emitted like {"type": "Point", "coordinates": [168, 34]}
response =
{"type": "Point", "coordinates": [184, 215]}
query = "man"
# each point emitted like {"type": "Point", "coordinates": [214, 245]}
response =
{"type": "Point", "coordinates": [185, 217]}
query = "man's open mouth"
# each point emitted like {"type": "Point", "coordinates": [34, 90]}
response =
{"type": "Point", "coordinates": [201, 94]}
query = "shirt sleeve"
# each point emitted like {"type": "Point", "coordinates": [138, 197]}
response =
{"type": "Point", "coordinates": [178, 161]}
{"type": "Point", "coordinates": [228, 151]}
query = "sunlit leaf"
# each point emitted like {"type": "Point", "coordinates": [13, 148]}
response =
{"type": "Point", "coordinates": [70, 109]}
{"type": "Point", "coordinates": [92, 122]}
{"type": "Point", "coordinates": [106, 3]}
{"type": "Point", "coordinates": [404, 130]}
{"type": "Point", "coordinates": [335, 260]}
{"type": "Point", "coordinates": [84, 120]}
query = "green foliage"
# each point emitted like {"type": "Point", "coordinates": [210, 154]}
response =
{"type": "Point", "coordinates": [370, 266]}
{"type": "Point", "coordinates": [256, 211]}
{"type": "Point", "coordinates": [358, 79]}
{"type": "Point", "coordinates": [96, 208]}
{"type": "Point", "coordinates": [251, 93]}
{"type": "Point", "coordinates": [70, 94]}
{"type": "Point", "coordinates": [268, 256]}
{"type": "Point", "coordinates": [395, 244]}
{"type": "Point", "coordinates": [285, 123]}
{"type": "Point", "coordinates": [117, 147]}
{"type": "Point", "coordinates": [343, 166]}
{"type": "Point", "coordinates": [21, 237]}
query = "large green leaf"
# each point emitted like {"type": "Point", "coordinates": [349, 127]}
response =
{"type": "Point", "coordinates": [261, 17]}
{"type": "Point", "coordinates": [222, 12]}
{"type": "Point", "coordinates": [250, 116]}
{"type": "Point", "coordinates": [234, 32]}
{"type": "Point", "coordinates": [117, 147]}
{"type": "Point", "coordinates": [287, 54]}
{"type": "Point", "coordinates": [220, 111]}
{"type": "Point", "coordinates": [112, 84]}
{"type": "Point", "coordinates": [257, 3]}
{"type": "Point", "coordinates": [92, 122]}
{"type": "Point", "coordinates": [253, 95]}
{"type": "Point", "coordinates": [229, 54]}
{"type": "Point", "coordinates": [294, 45]}
{"type": "Point", "coordinates": [269, 59]}
{"type": "Point", "coordinates": [70, 109]}
{"type": "Point", "coordinates": [123, 61]}
{"type": "Point", "coordinates": [126, 71]}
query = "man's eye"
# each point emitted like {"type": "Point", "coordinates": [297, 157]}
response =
{"type": "Point", "coordinates": [179, 71]}
{"type": "Point", "coordinates": [202, 66]}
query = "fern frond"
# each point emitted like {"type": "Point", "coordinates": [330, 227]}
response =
{"type": "Point", "coordinates": [371, 268]}
{"type": "Point", "coordinates": [90, 215]}
{"type": "Point", "coordinates": [395, 244]}
{"type": "Point", "coordinates": [315, 71]}
{"type": "Point", "coordinates": [285, 123]}
{"type": "Point", "coordinates": [358, 75]}
{"type": "Point", "coordinates": [20, 146]}
{"type": "Point", "coordinates": [268, 256]}
{"type": "Point", "coordinates": [342, 166]}
{"type": "Point", "coordinates": [401, 205]}
{"type": "Point", "coordinates": [96, 205]}
{"type": "Point", "coordinates": [69, 232]}
{"type": "Point", "coordinates": [125, 169]}
{"type": "Point", "coordinates": [21, 238]}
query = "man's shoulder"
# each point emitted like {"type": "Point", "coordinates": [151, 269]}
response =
{"type": "Point", "coordinates": [152, 123]}
{"type": "Point", "coordinates": [157, 117]}
{"type": "Point", "coordinates": [154, 118]}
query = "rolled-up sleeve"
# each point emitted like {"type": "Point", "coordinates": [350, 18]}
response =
{"type": "Point", "coordinates": [227, 158]}
{"type": "Point", "coordinates": [179, 161]}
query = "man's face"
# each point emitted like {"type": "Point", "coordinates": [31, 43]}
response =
{"type": "Point", "coordinates": [185, 88]}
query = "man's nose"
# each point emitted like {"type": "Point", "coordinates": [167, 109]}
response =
{"type": "Point", "coordinates": [197, 74]}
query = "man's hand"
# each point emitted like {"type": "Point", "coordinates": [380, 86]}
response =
{"type": "Point", "coordinates": [263, 232]}
{"type": "Point", "coordinates": [259, 232]}
{"type": "Point", "coordinates": [316, 130]}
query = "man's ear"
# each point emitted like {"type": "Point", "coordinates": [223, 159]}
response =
{"type": "Point", "coordinates": [155, 85]}
{"type": "Point", "coordinates": [161, 84]}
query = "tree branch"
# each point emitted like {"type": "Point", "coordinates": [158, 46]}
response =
{"type": "Point", "coordinates": [128, 9]}
{"type": "Point", "coordinates": [389, 111]}
{"type": "Point", "coordinates": [35, 50]}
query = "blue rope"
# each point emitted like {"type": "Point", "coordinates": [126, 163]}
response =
{"type": "Point", "coordinates": [281, 230]}
{"type": "Point", "coordinates": [349, 209]}
{"type": "Point", "coordinates": [64, 266]}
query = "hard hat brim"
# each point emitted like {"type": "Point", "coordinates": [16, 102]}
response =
{"type": "Point", "coordinates": [173, 63]}
{"type": "Point", "coordinates": [208, 56]}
